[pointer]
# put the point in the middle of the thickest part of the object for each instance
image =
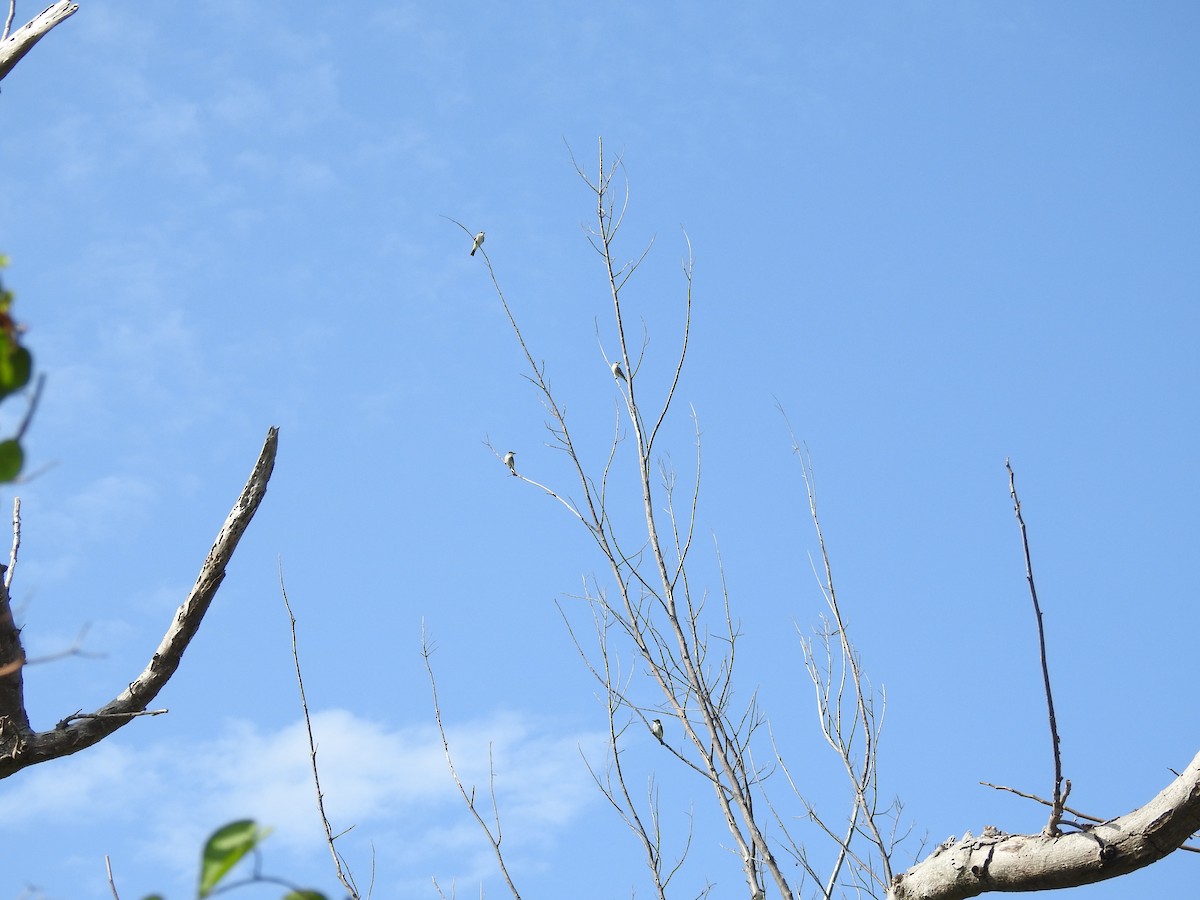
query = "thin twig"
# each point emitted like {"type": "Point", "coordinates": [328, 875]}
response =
{"type": "Point", "coordinates": [1042, 800]}
{"type": "Point", "coordinates": [76, 649]}
{"type": "Point", "coordinates": [12, 11]}
{"type": "Point", "coordinates": [342, 875]}
{"type": "Point", "coordinates": [1078, 814]}
{"type": "Point", "coordinates": [619, 795]}
{"type": "Point", "coordinates": [1056, 808]}
{"type": "Point", "coordinates": [468, 796]}
{"type": "Point", "coordinates": [32, 408]}
{"type": "Point", "coordinates": [840, 736]}
{"type": "Point", "coordinates": [16, 543]}
{"type": "Point", "coordinates": [110, 715]}
{"type": "Point", "coordinates": [107, 862]}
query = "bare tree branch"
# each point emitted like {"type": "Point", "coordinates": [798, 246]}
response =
{"type": "Point", "coordinates": [718, 746]}
{"type": "Point", "coordinates": [20, 746]}
{"type": "Point", "coordinates": [1060, 797]}
{"type": "Point", "coordinates": [1078, 814]}
{"type": "Point", "coordinates": [995, 861]}
{"type": "Point", "coordinates": [14, 46]}
{"type": "Point", "coordinates": [654, 605]}
{"type": "Point", "coordinates": [495, 838]}
{"type": "Point", "coordinates": [1098, 851]}
{"type": "Point", "coordinates": [12, 11]}
{"type": "Point", "coordinates": [614, 786]}
{"type": "Point", "coordinates": [343, 873]}
{"type": "Point", "coordinates": [16, 544]}
{"type": "Point", "coordinates": [38, 386]}
{"type": "Point", "coordinates": [108, 868]}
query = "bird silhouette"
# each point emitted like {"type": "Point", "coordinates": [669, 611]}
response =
{"type": "Point", "coordinates": [478, 243]}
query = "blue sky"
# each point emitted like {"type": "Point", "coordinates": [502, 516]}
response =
{"type": "Point", "coordinates": [938, 235]}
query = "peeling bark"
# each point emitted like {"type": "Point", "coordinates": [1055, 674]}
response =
{"type": "Point", "coordinates": [1018, 863]}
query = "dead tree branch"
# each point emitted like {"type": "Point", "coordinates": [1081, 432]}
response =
{"type": "Point", "coordinates": [653, 604]}
{"type": "Point", "coordinates": [846, 708]}
{"type": "Point", "coordinates": [14, 45]}
{"type": "Point", "coordinates": [342, 871]}
{"type": "Point", "coordinates": [1059, 796]}
{"type": "Point", "coordinates": [496, 837]}
{"type": "Point", "coordinates": [21, 746]}
{"type": "Point", "coordinates": [12, 12]}
{"type": "Point", "coordinates": [1077, 813]}
{"type": "Point", "coordinates": [994, 861]}
{"type": "Point", "coordinates": [16, 544]}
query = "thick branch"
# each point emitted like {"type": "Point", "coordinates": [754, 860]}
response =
{"type": "Point", "coordinates": [12, 661]}
{"type": "Point", "coordinates": [1035, 862]}
{"type": "Point", "coordinates": [21, 747]}
{"type": "Point", "coordinates": [14, 46]}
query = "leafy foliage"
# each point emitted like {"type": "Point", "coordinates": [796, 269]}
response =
{"type": "Point", "coordinates": [16, 363]}
{"type": "Point", "coordinates": [16, 368]}
{"type": "Point", "coordinates": [225, 850]}
{"type": "Point", "coordinates": [228, 846]}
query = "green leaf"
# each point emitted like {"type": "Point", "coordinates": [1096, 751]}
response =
{"type": "Point", "coordinates": [154, 897]}
{"type": "Point", "coordinates": [225, 849]}
{"type": "Point", "coordinates": [305, 895]}
{"type": "Point", "coordinates": [15, 367]}
{"type": "Point", "coordinates": [12, 458]}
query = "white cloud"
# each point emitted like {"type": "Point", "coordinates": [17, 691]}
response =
{"type": "Point", "coordinates": [390, 783]}
{"type": "Point", "coordinates": [108, 775]}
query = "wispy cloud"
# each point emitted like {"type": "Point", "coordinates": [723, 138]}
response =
{"type": "Point", "coordinates": [390, 783]}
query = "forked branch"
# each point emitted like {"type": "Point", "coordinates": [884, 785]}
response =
{"type": "Point", "coordinates": [20, 746]}
{"type": "Point", "coordinates": [495, 835]}
{"type": "Point", "coordinates": [653, 606]}
{"type": "Point", "coordinates": [849, 724]}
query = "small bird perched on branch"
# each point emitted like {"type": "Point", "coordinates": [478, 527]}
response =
{"type": "Point", "coordinates": [510, 460]}
{"type": "Point", "coordinates": [656, 728]}
{"type": "Point", "coordinates": [478, 243]}
{"type": "Point", "coordinates": [617, 373]}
